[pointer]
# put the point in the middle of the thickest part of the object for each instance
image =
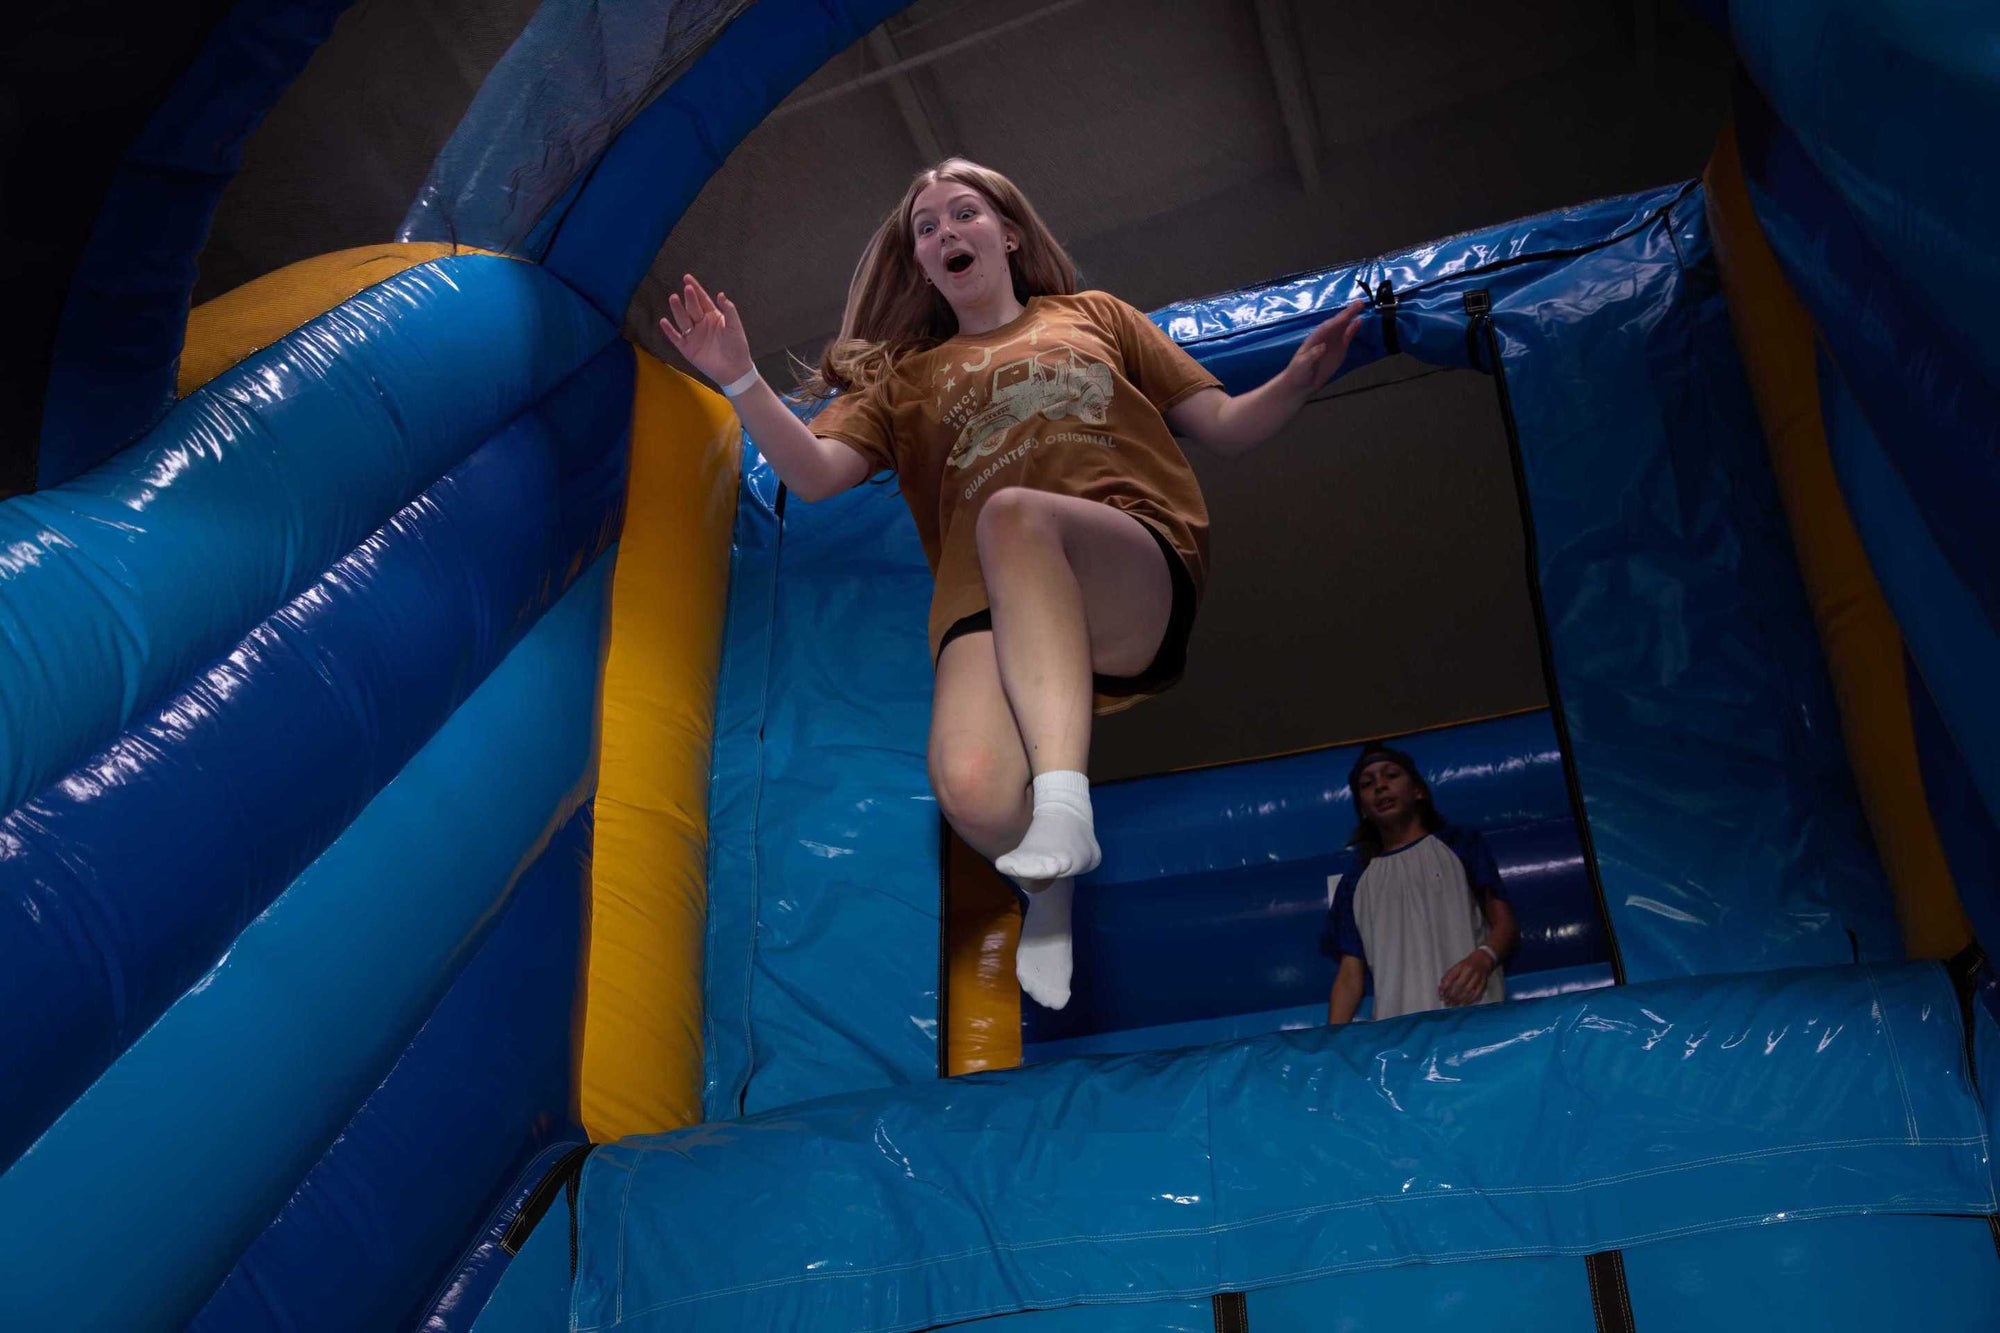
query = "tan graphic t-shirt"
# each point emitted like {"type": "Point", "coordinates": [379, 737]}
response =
{"type": "Point", "coordinates": [1066, 398]}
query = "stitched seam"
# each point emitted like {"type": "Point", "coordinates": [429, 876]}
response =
{"type": "Point", "coordinates": [1895, 1055]}
{"type": "Point", "coordinates": [624, 1210]}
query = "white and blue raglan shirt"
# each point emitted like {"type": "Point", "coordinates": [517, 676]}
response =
{"type": "Point", "coordinates": [1413, 913]}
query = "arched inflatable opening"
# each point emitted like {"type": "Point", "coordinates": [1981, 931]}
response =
{"type": "Point", "coordinates": [356, 647]}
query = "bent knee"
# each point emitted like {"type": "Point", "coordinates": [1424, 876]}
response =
{"type": "Point", "coordinates": [1017, 512]}
{"type": "Point", "coordinates": [976, 783]}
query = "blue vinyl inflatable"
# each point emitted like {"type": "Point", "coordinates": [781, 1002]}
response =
{"type": "Point", "coordinates": [735, 788]}
{"type": "Point", "coordinates": [1934, 409]}
{"type": "Point", "coordinates": [109, 878]}
{"type": "Point", "coordinates": [1895, 104]}
{"type": "Point", "coordinates": [823, 866]}
{"type": "Point", "coordinates": [1490, 774]}
{"type": "Point", "coordinates": [365, 1240]}
{"type": "Point", "coordinates": [135, 574]}
{"type": "Point", "coordinates": [1264, 1163]}
{"type": "Point", "coordinates": [1695, 698]}
{"type": "Point", "coordinates": [233, 1095]}
{"type": "Point", "coordinates": [1203, 921]}
{"type": "Point", "coordinates": [1955, 648]}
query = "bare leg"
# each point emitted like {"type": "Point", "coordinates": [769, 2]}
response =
{"type": "Point", "coordinates": [1076, 586]}
{"type": "Point", "coordinates": [978, 768]}
{"type": "Point", "coordinates": [980, 774]}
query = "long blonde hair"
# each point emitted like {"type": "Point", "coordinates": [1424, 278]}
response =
{"type": "Point", "coordinates": [892, 312]}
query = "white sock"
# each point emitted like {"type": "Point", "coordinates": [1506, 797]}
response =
{"type": "Point", "coordinates": [1042, 963]}
{"type": "Point", "coordinates": [1061, 839]}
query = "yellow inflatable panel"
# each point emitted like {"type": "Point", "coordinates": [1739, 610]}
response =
{"type": "Point", "coordinates": [982, 999]}
{"type": "Point", "coordinates": [641, 1056]}
{"type": "Point", "coordinates": [229, 328]}
{"type": "Point", "coordinates": [1864, 647]}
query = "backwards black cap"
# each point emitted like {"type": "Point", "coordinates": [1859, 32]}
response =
{"type": "Point", "coordinates": [1375, 752]}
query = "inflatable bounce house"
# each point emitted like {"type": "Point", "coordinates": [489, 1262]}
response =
{"type": "Point", "coordinates": [449, 880]}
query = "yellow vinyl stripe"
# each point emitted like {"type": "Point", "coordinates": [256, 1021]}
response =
{"type": "Point", "coordinates": [641, 1057]}
{"type": "Point", "coordinates": [1864, 646]}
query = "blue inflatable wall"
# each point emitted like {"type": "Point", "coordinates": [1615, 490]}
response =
{"type": "Point", "coordinates": [1201, 924]}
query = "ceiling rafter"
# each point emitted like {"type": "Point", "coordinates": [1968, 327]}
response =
{"type": "Point", "coordinates": [1282, 54]}
{"type": "Point", "coordinates": [921, 115]}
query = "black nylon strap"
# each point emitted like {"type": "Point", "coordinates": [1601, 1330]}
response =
{"type": "Point", "coordinates": [560, 1179]}
{"type": "Point", "coordinates": [1385, 306]}
{"type": "Point", "coordinates": [569, 1195]}
{"type": "Point", "coordinates": [1610, 1302]}
{"type": "Point", "coordinates": [1232, 1312]}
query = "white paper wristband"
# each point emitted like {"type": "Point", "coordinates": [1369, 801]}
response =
{"type": "Point", "coordinates": [738, 387]}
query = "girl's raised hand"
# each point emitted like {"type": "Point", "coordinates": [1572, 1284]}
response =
{"type": "Point", "coordinates": [1324, 351]}
{"type": "Point", "coordinates": [709, 333]}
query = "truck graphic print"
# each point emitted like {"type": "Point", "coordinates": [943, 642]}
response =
{"type": "Point", "coordinates": [1056, 383]}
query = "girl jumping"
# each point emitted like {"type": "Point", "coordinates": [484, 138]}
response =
{"type": "Point", "coordinates": [1032, 429]}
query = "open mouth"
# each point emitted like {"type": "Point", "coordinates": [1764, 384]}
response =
{"type": "Point", "coordinates": [958, 263]}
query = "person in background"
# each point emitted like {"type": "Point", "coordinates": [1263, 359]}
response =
{"type": "Point", "coordinates": [1421, 909]}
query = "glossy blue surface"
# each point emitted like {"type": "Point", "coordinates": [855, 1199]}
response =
{"type": "Point", "coordinates": [1701, 722]}
{"type": "Point", "coordinates": [119, 585]}
{"type": "Point", "coordinates": [1196, 947]}
{"type": "Point", "coordinates": [1207, 911]}
{"type": "Point", "coordinates": [1738, 1101]}
{"type": "Point", "coordinates": [1312, 1013]}
{"type": "Point", "coordinates": [125, 881]}
{"type": "Point", "coordinates": [1485, 775]}
{"type": "Point", "coordinates": [198, 1134]}
{"type": "Point", "coordinates": [735, 789]}
{"type": "Point", "coordinates": [844, 987]}
{"type": "Point", "coordinates": [367, 1239]}
{"type": "Point", "coordinates": [118, 342]}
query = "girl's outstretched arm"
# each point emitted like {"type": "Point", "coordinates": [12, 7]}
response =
{"type": "Point", "coordinates": [709, 333]}
{"type": "Point", "coordinates": [1232, 425]}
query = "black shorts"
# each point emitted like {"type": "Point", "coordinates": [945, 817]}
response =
{"type": "Point", "coordinates": [1168, 663]}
